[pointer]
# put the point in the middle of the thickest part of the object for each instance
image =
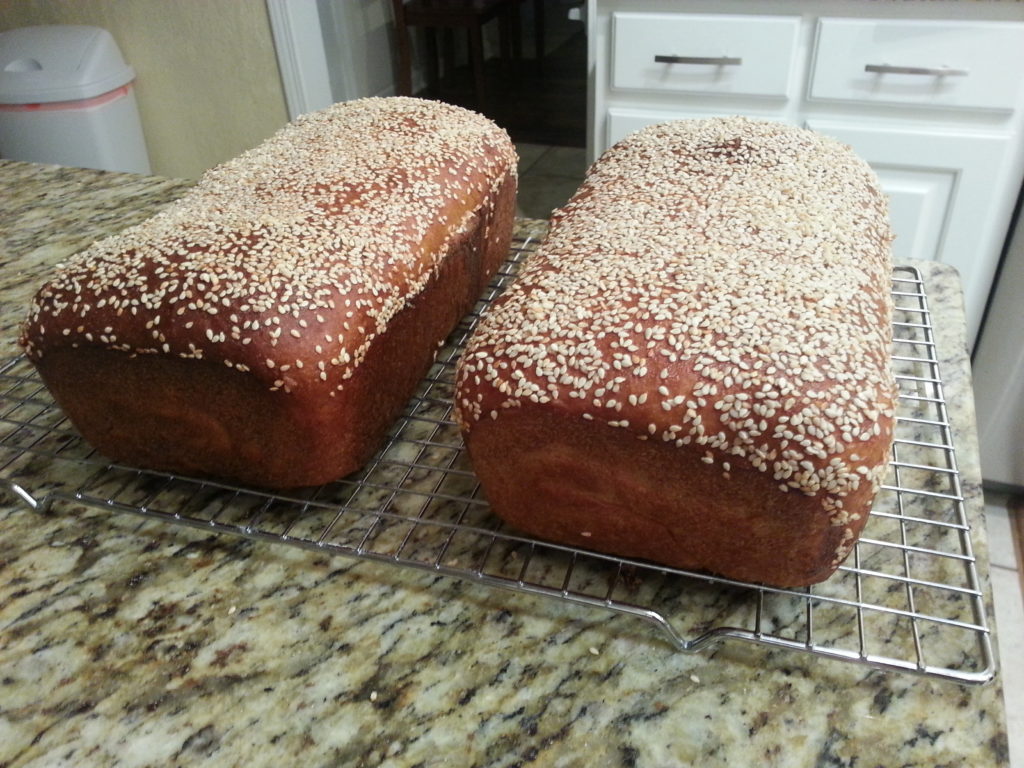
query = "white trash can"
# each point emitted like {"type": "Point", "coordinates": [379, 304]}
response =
{"type": "Point", "coordinates": [66, 98]}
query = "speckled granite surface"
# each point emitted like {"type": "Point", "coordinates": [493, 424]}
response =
{"type": "Point", "coordinates": [131, 643]}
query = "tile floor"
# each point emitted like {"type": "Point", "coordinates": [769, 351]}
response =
{"type": "Point", "coordinates": [1007, 577]}
{"type": "Point", "coordinates": [547, 178]}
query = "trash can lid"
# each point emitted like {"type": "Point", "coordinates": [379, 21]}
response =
{"type": "Point", "coordinates": [59, 63]}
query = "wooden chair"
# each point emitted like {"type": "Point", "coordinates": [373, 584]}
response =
{"type": "Point", "coordinates": [470, 15]}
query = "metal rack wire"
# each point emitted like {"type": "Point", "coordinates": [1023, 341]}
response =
{"type": "Point", "coordinates": [907, 599]}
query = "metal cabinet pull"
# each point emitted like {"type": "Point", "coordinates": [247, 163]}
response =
{"type": "Point", "coordinates": [889, 69]}
{"type": "Point", "coordinates": [721, 61]}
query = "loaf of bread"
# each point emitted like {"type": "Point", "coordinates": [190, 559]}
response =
{"type": "Point", "coordinates": [694, 367]}
{"type": "Point", "coordinates": [268, 327]}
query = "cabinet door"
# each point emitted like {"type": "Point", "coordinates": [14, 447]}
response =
{"type": "Point", "coordinates": [950, 197]}
{"type": "Point", "coordinates": [623, 121]}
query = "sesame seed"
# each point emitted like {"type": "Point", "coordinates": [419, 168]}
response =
{"type": "Point", "coordinates": [262, 247]}
{"type": "Point", "coordinates": [761, 301]}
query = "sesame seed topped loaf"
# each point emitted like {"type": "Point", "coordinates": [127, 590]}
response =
{"type": "Point", "coordinates": [269, 326]}
{"type": "Point", "coordinates": [694, 367]}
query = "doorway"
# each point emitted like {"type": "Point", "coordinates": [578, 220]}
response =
{"type": "Point", "coordinates": [537, 99]}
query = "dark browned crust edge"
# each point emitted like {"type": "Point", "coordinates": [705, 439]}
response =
{"type": "Point", "coordinates": [586, 484]}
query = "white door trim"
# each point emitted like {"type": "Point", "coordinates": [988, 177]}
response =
{"type": "Point", "coordinates": [299, 42]}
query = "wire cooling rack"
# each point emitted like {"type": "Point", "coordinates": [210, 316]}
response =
{"type": "Point", "coordinates": [908, 598]}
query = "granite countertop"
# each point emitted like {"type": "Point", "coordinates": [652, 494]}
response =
{"type": "Point", "coordinates": [132, 643]}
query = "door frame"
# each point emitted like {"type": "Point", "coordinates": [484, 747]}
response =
{"type": "Point", "coordinates": [302, 58]}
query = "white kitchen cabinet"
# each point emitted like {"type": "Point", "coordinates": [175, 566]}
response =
{"type": "Point", "coordinates": [622, 122]}
{"type": "Point", "coordinates": [914, 62]}
{"type": "Point", "coordinates": [931, 95]}
{"type": "Point", "coordinates": [704, 53]}
{"type": "Point", "coordinates": [943, 190]}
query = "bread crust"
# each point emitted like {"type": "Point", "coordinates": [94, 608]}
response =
{"type": "Point", "coordinates": [269, 327]}
{"type": "Point", "coordinates": [694, 367]}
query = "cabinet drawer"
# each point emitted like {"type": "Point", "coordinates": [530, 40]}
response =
{"type": "Point", "coordinates": [926, 63]}
{"type": "Point", "coordinates": [741, 55]}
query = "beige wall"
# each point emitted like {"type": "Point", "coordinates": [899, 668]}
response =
{"type": "Point", "coordinates": [207, 81]}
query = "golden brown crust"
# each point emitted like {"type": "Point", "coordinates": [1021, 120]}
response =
{"type": "Point", "coordinates": [590, 488]}
{"type": "Point", "coordinates": [707, 326]}
{"type": "Point", "coordinates": [268, 327]}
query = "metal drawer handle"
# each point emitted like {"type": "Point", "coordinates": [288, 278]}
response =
{"type": "Point", "coordinates": [721, 61]}
{"type": "Point", "coordinates": [889, 69]}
